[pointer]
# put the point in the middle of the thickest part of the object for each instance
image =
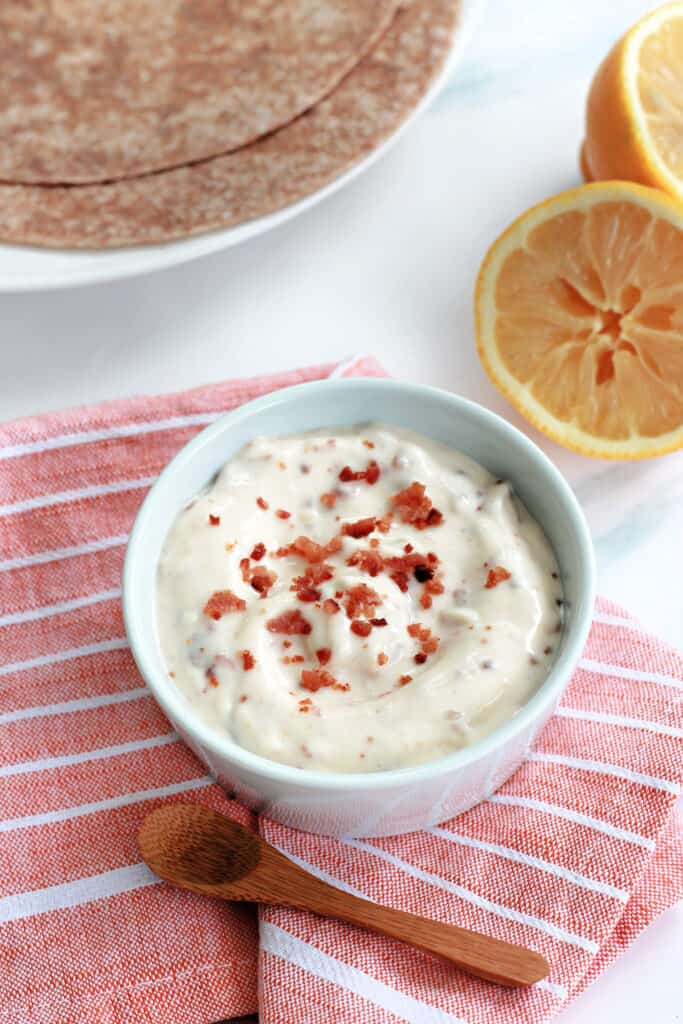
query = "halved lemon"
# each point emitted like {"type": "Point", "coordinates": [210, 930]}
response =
{"type": "Point", "coordinates": [579, 319]}
{"type": "Point", "coordinates": [634, 117]}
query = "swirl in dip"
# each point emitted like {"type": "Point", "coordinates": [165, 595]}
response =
{"type": "Point", "coordinates": [356, 601]}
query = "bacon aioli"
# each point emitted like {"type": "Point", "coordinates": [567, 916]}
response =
{"type": "Point", "coordinates": [356, 601]}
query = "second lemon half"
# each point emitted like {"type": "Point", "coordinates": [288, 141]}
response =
{"type": "Point", "coordinates": [579, 319]}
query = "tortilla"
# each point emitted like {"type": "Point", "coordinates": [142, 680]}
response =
{"type": "Point", "coordinates": [364, 110]}
{"type": "Point", "coordinates": [93, 91]}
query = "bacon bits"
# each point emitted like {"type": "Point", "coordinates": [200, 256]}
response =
{"type": "Point", "coordinates": [306, 586]}
{"type": "Point", "coordinates": [330, 606]}
{"type": "Point", "coordinates": [431, 587]}
{"type": "Point", "coordinates": [382, 658]}
{"type": "Point", "coordinates": [400, 578]}
{"type": "Point", "coordinates": [222, 602]}
{"type": "Point", "coordinates": [248, 660]}
{"type": "Point", "coordinates": [282, 513]}
{"type": "Point", "coordinates": [329, 500]}
{"type": "Point", "coordinates": [360, 627]}
{"type": "Point", "coordinates": [404, 680]}
{"type": "Point", "coordinates": [313, 575]}
{"type": "Point", "coordinates": [323, 654]}
{"type": "Point", "coordinates": [305, 705]}
{"type": "Point", "coordinates": [361, 528]}
{"type": "Point", "coordinates": [384, 524]}
{"type": "Point", "coordinates": [361, 600]}
{"type": "Point", "coordinates": [262, 504]}
{"type": "Point", "coordinates": [262, 579]}
{"type": "Point", "coordinates": [496, 576]}
{"type": "Point", "coordinates": [370, 562]}
{"type": "Point", "coordinates": [291, 623]}
{"type": "Point", "coordinates": [214, 520]}
{"type": "Point", "coordinates": [414, 507]}
{"type": "Point", "coordinates": [310, 550]}
{"type": "Point", "coordinates": [418, 631]}
{"type": "Point", "coordinates": [370, 474]}
{"type": "Point", "coordinates": [212, 678]}
{"type": "Point", "coordinates": [258, 551]}
{"type": "Point", "coordinates": [315, 679]}
{"type": "Point", "coordinates": [378, 623]}
{"type": "Point", "coordinates": [402, 567]}
{"type": "Point", "coordinates": [428, 644]}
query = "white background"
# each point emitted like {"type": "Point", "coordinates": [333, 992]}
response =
{"type": "Point", "coordinates": [388, 267]}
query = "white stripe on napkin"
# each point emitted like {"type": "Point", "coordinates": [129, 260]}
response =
{"type": "Point", "coordinates": [57, 554]}
{"type": "Point", "coordinates": [601, 768]}
{"type": "Point", "coordinates": [60, 608]}
{"type": "Point", "coordinates": [509, 853]}
{"type": "Point", "coordinates": [66, 497]}
{"type": "Point", "coordinates": [67, 707]}
{"type": "Point", "coordinates": [199, 419]}
{"type": "Point", "coordinates": [615, 620]}
{"type": "Point", "coordinates": [283, 944]}
{"type": "Point", "coordinates": [73, 894]}
{"type": "Point", "coordinates": [117, 644]}
{"type": "Point", "coordinates": [125, 800]}
{"type": "Point", "coordinates": [628, 723]}
{"type": "Point", "coordinates": [478, 901]}
{"type": "Point", "coordinates": [98, 754]}
{"type": "Point", "coordinates": [630, 673]}
{"type": "Point", "coordinates": [579, 819]}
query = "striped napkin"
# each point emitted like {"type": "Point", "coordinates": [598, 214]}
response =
{"type": "Point", "coordinates": [574, 855]}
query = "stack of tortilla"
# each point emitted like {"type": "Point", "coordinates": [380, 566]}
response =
{"type": "Point", "coordinates": [143, 121]}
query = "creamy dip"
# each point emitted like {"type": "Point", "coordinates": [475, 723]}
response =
{"type": "Point", "coordinates": [357, 600]}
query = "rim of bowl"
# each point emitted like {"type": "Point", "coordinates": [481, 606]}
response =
{"type": "Point", "coordinates": [171, 699]}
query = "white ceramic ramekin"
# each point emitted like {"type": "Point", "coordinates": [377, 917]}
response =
{"type": "Point", "coordinates": [390, 802]}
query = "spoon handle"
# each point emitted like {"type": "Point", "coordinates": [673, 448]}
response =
{"type": "Point", "coordinates": [480, 955]}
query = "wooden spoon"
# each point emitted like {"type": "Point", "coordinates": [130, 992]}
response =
{"type": "Point", "coordinates": [195, 848]}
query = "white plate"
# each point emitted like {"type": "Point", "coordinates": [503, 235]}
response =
{"type": "Point", "coordinates": [29, 268]}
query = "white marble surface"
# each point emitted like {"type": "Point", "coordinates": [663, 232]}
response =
{"type": "Point", "coordinates": [388, 267]}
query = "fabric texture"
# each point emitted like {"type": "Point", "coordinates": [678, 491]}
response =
{"type": "Point", "coordinates": [573, 856]}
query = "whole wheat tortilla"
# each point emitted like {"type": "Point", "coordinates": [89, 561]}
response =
{"type": "Point", "coordinates": [367, 107]}
{"type": "Point", "coordinates": [95, 90]}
